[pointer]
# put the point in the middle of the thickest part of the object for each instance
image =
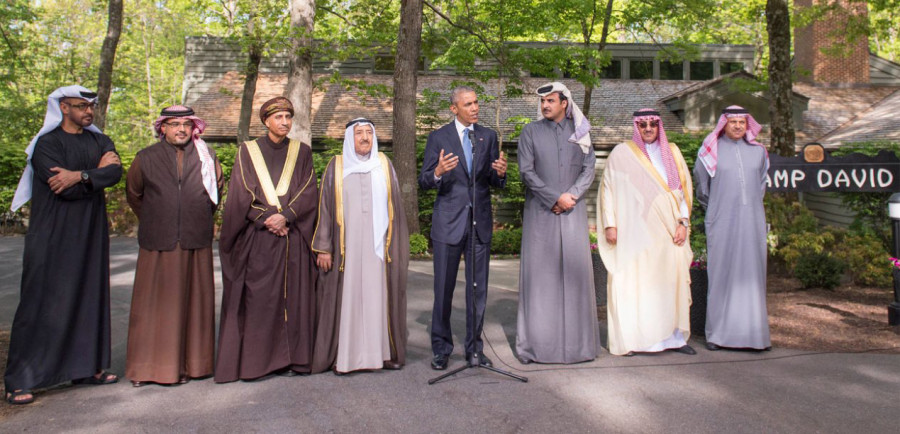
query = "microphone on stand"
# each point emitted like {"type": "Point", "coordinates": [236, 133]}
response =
{"type": "Point", "coordinates": [472, 141]}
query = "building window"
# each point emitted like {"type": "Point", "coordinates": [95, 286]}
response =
{"type": "Point", "coordinates": [701, 70]}
{"type": "Point", "coordinates": [613, 70]}
{"type": "Point", "coordinates": [729, 67]}
{"type": "Point", "coordinates": [671, 71]}
{"type": "Point", "coordinates": [640, 69]}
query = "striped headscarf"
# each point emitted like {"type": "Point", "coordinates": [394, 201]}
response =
{"type": "Point", "coordinates": [650, 115]}
{"type": "Point", "coordinates": [709, 151]}
{"type": "Point", "coordinates": [207, 168]}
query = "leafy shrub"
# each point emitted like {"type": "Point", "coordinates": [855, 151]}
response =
{"type": "Point", "coordinates": [507, 241]}
{"type": "Point", "coordinates": [688, 144]}
{"type": "Point", "coordinates": [819, 270]}
{"type": "Point", "coordinates": [418, 244]}
{"type": "Point", "coordinates": [864, 256]}
{"type": "Point", "coordinates": [797, 245]}
{"type": "Point", "coordinates": [794, 231]}
{"type": "Point", "coordinates": [786, 215]}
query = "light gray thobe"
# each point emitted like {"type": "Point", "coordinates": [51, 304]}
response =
{"type": "Point", "coordinates": [363, 337]}
{"type": "Point", "coordinates": [557, 320]}
{"type": "Point", "coordinates": [736, 314]}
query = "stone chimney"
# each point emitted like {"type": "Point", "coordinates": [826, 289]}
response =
{"type": "Point", "coordinates": [821, 51]}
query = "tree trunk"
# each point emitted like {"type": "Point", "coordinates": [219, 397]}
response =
{"type": "Point", "coordinates": [253, 59]}
{"type": "Point", "coordinates": [300, 83]}
{"type": "Point", "coordinates": [409, 42]}
{"type": "Point", "coordinates": [589, 88]}
{"type": "Point", "coordinates": [778, 25]}
{"type": "Point", "coordinates": [107, 58]}
{"type": "Point", "coordinates": [148, 48]}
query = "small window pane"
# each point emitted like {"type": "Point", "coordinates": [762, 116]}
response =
{"type": "Point", "coordinates": [613, 70]}
{"type": "Point", "coordinates": [641, 69]}
{"type": "Point", "coordinates": [671, 71]}
{"type": "Point", "coordinates": [701, 70]}
{"type": "Point", "coordinates": [729, 67]}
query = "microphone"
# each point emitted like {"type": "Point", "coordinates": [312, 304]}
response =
{"type": "Point", "coordinates": [472, 141]}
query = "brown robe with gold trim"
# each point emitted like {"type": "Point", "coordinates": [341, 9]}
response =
{"type": "Point", "coordinates": [268, 299]}
{"type": "Point", "coordinates": [330, 284]}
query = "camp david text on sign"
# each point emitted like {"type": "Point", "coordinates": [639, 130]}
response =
{"type": "Point", "coordinates": [849, 173]}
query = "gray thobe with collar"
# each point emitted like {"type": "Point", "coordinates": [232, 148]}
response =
{"type": "Point", "coordinates": [557, 319]}
{"type": "Point", "coordinates": [736, 315]}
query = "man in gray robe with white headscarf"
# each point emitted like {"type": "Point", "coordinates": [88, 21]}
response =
{"type": "Point", "coordinates": [731, 182]}
{"type": "Point", "coordinates": [557, 321]}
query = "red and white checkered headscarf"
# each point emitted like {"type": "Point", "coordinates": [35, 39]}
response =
{"type": "Point", "coordinates": [649, 115]}
{"type": "Point", "coordinates": [207, 168]}
{"type": "Point", "coordinates": [709, 151]}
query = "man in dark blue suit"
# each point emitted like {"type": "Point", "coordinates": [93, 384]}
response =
{"type": "Point", "coordinates": [452, 224]}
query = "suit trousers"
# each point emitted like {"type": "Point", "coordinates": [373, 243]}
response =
{"type": "Point", "coordinates": [446, 266]}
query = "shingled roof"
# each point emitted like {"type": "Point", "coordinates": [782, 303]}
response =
{"type": "Point", "coordinates": [613, 102]}
{"type": "Point", "coordinates": [834, 115]}
{"type": "Point", "coordinates": [830, 108]}
{"type": "Point", "coordinates": [877, 123]}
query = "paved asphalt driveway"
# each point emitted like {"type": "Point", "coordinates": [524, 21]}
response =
{"type": "Point", "coordinates": [778, 391]}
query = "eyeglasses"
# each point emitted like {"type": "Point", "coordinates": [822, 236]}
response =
{"type": "Point", "coordinates": [82, 106]}
{"type": "Point", "coordinates": [188, 125]}
{"type": "Point", "coordinates": [653, 124]}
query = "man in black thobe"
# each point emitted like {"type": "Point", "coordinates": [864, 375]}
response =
{"type": "Point", "coordinates": [61, 329]}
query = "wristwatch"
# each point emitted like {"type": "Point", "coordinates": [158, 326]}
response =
{"type": "Point", "coordinates": [85, 178]}
{"type": "Point", "coordinates": [684, 222]}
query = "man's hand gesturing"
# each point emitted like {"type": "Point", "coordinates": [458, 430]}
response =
{"type": "Point", "coordinates": [446, 163]}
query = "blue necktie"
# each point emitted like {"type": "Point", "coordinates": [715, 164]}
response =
{"type": "Point", "coordinates": [467, 148]}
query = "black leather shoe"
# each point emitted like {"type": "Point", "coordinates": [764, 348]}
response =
{"type": "Point", "coordinates": [524, 361]}
{"type": "Point", "coordinates": [712, 347]}
{"type": "Point", "coordinates": [478, 358]}
{"type": "Point", "coordinates": [685, 350]}
{"type": "Point", "coordinates": [439, 362]}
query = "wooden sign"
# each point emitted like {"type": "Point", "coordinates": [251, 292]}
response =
{"type": "Point", "coordinates": [813, 169]}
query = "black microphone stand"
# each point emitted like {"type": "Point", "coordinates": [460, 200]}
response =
{"type": "Point", "coordinates": [475, 362]}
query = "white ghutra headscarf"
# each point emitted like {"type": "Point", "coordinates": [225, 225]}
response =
{"type": "Point", "coordinates": [51, 120]}
{"type": "Point", "coordinates": [581, 136]}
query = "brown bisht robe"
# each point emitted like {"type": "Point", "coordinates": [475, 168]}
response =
{"type": "Point", "coordinates": [329, 288]}
{"type": "Point", "coordinates": [172, 327]}
{"type": "Point", "coordinates": [268, 299]}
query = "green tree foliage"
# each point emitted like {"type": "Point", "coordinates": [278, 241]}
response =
{"type": "Point", "coordinates": [884, 25]}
